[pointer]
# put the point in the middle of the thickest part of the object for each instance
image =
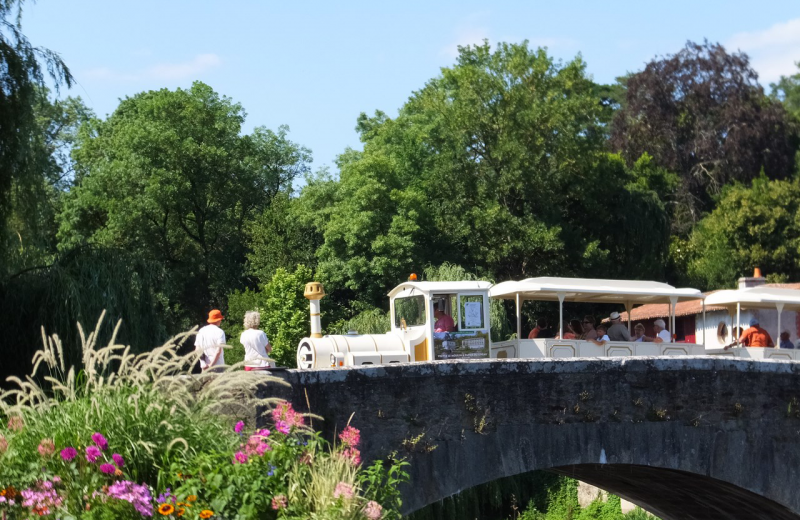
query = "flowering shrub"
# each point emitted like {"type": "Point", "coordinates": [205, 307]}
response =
{"type": "Point", "coordinates": [126, 439]}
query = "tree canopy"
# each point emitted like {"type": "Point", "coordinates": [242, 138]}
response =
{"type": "Point", "coordinates": [498, 164]}
{"type": "Point", "coordinates": [169, 176]}
{"type": "Point", "coordinates": [702, 115]}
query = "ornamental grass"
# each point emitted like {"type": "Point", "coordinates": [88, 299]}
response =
{"type": "Point", "coordinates": [126, 436]}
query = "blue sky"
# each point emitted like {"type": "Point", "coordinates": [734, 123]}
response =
{"type": "Point", "coordinates": [316, 65]}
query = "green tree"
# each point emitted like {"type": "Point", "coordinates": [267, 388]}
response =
{"type": "Point", "coordinates": [170, 177]}
{"type": "Point", "coordinates": [497, 165]}
{"type": "Point", "coordinates": [23, 70]}
{"type": "Point", "coordinates": [702, 114]}
{"type": "Point", "coordinates": [757, 226]}
{"type": "Point", "coordinates": [787, 91]}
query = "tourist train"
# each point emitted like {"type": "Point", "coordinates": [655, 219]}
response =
{"type": "Point", "coordinates": [412, 337]}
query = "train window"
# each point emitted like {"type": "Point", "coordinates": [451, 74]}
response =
{"type": "Point", "coordinates": [411, 309]}
{"type": "Point", "coordinates": [472, 312]}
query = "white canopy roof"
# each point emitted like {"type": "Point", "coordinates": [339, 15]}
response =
{"type": "Point", "coordinates": [426, 288]}
{"type": "Point", "coordinates": [757, 298]}
{"type": "Point", "coordinates": [592, 290]}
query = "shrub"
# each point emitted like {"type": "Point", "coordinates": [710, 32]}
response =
{"type": "Point", "coordinates": [128, 436]}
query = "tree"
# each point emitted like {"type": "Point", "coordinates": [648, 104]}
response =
{"type": "Point", "coordinates": [756, 226]}
{"type": "Point", "coordinates": [169, 176]}
{"type": "Point", "coordinates": [498, 165]}
{"type": "Point", "coordinates": [787, 91]}
{"type": "Point", "coordinates": [23, 69]}
{"type": "Point", "coordinates": [702, 114]}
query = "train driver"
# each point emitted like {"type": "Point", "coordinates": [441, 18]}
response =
{"type": "Point", "coordinates": [444, 323]}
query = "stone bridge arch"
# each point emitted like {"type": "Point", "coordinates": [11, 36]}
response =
{"type": "Point", "coordinates": [689, 437]}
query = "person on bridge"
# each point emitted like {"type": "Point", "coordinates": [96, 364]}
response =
{"type": "Point", "coordinates": [786, 342]}
{"type": "Point", "coordinates": [444, 323]}
{"type": "Point", "coordinates": [617, 331]}
{"type": "Point", "coordinates": [255, 342]}
{"type": "Point", "coordinates": [210, 339]}
{"type": "Point", "coordinates": [754, 336]}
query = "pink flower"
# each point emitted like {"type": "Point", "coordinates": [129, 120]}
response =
{"type": "Point", "coordinates": [285, 413]}
{"type": "Point", "coordinates": [108, 469]}
{"type": "Point", "coordinates": [16, 423]}
{"type": "Point", "coordinates": [279, 502]}
{"type": "Point", "coordinates": [118, 460]}
{"type": "Point", "coordinates": [239, 427]}
{"type": "Point", "coordinates": [239, 458]}
{"type": "Point", "coordinates": [46, 448]}
{"type": "Point", "coordinates": [344, 490]}
{"type": "Point", "coordinates": [350, 436]}
{"type": "Point", "coordinates": [373, 510]}
{"type": "Point", "coordinates": [353, 455]}
{"type": "Point", "coordinates": [283, 427]}
{"type": "Point", "coordinates": [100, 441]}
{"type": "Point", "coordinates": [3, 444]}
{"type": "Point", "coordinates": [262, 448]}
{"type": "Point", "coordinates": [263, 432]}
{"type": "Point", "coordinates": [69, 453]}
{"type": "Point", "coordinates": [92, 453]}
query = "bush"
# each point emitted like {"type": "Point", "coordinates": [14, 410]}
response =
{"type": "Point", "coordinates": [127, 435]}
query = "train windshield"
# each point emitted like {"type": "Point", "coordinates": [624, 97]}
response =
{"type": "Point", "coordinates": [411, 309]}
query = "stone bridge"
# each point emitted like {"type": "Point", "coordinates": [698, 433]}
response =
{"type": "Point", "coordinates": [685, 438]}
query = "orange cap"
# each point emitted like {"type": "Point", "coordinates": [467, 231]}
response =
{"type": "Point", "coordinates": [215, 315]}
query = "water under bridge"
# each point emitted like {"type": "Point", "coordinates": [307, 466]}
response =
{"type": "Point", "coordinates": [685, 438]}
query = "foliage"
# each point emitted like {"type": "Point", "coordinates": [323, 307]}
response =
{"type": "Point", "coordinates": [279, 238]}
{"type": "Point", "coordinates": [702, 114]}
{"type": "Point", "coordinates": [170, 177]}
{"type": "Point", "coordinates": [498, 164]}
{"type": "Point", "coordinates": [114, 437]}
{"type": "Point", "coordinates": [370, 321]}
{"type": "Point", "coordinates": [79, 285]}
{"type": "Point", "coordinates": [787, 91]}
{"type": "Point", "coordinates": [756, 226]}
{"type": "Point", "coordinates": [284, 312]}
{"type": "Point", "coordinates": [23, 71]}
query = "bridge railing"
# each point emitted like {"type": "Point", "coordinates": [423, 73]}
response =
{"type": "Point", "coordinates": [557, 348]}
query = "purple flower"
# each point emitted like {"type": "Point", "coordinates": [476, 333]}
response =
{"type": "Point", "coordinates": [92, 453]}
{"type": "Point", "coordinates": [263, 432]}
{"type": "Point", "coordinates": [108, 469]}
{"type": "Point", "coordinates": [136, 494]}
{"type": "Point", "coordinates": [69, 453]}
{"type": "Point", "coordinates": [239, 427]}
{"type": "Point", "coordinates": [100, 441]}
{"type": "Point", "coordinates": [118, 460]}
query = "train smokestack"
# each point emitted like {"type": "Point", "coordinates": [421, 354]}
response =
{"type": "Point", "coordinates": [314, 293]}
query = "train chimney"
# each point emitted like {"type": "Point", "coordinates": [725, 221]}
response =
{"type": "Point", "coordinates": [314, 292]}
{"type": "Point", "coordinates": [752, 281]}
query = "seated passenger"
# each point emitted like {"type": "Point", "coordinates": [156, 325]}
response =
{"type": "Point", "coordinates": [662, 334]}
{"type": "Point", "coordinates": [786, 342]}
{"type": "Point", "coordinates": [638, 332]}
{"type": "Point", "coordinates": [754, 336]}
{"type": "Point", "coordinates": [617, 331]}
{"type": "Point", "coordinates": [541, 330]}
{"type": "Point", "coordinates": [444, 323]}
{"type": "Point", "coordinates": [602, 337]}
{"type": "Point", "coordinates": [567, 332]}
{"type": "Point", "coordinates": [575, 330]}
{"type": "Point", "coordinates": [588, 328]}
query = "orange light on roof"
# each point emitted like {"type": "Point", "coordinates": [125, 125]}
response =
{"type": "Point", "coordinates": [412, 277]}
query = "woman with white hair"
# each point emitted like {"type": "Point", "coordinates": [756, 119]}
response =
{"type": "Point", "coordinates": [255, 342]}
{"type": "Point", "coordinates": [662, 334]}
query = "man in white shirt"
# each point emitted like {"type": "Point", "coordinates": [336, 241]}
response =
{"type": "Point", "coordinates": [662, 334]}
{"type": "Point", "coordinates": [210, 339]}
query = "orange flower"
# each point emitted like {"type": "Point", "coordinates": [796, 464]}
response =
{"type": "Point", "coordinates": [206, 513]}
{"type": "Point", "coordinates": [166, 509]}
{"type": "Point", "coordinates": [180, 511]}
{"type": "Point", "coordinates": [191, 498]}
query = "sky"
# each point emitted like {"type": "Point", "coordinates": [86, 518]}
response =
{"type": "Point", "coordinates": [315, 66]}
